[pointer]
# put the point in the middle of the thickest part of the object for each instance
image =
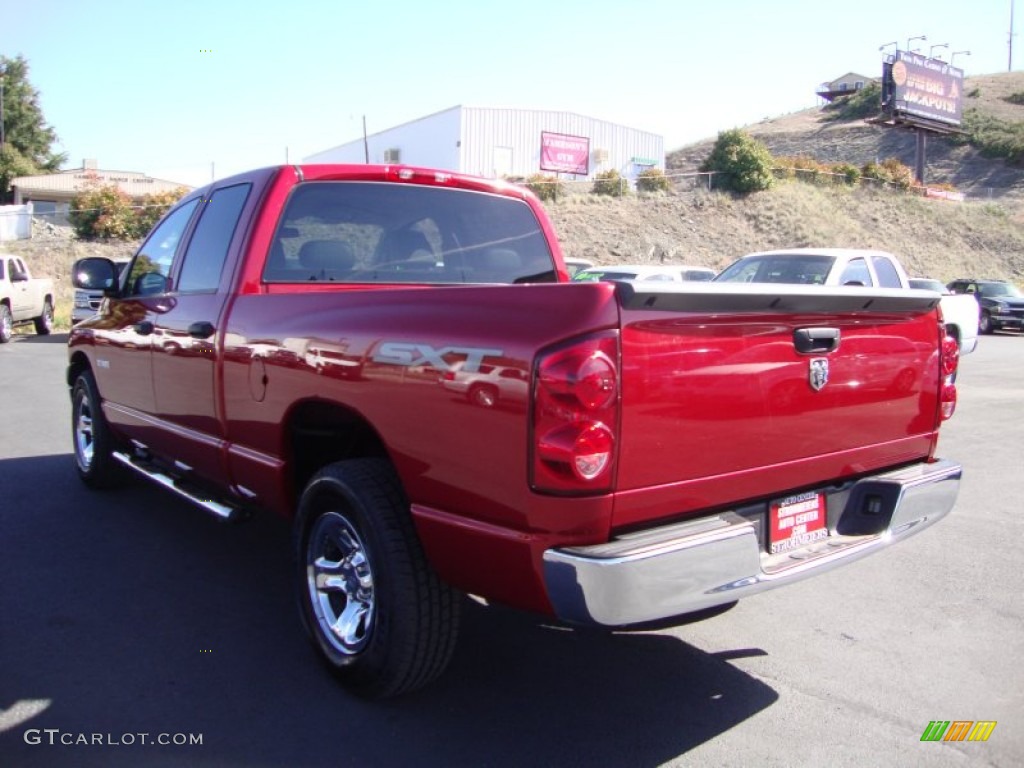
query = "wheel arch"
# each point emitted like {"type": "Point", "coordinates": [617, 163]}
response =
{"type": "Point", "coordinates": [76, 365]}
{"type": "Point", "coordinates": [317, 433]}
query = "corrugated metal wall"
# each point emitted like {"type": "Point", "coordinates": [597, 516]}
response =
{"type": "Point", "coordinates": [485, 132]}
{"type": "Point", "coordinates": [499, 142]}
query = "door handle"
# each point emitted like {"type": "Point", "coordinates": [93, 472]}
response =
{"type": "Point", "coordinates": [203, 329]}
{"type": "Point", "coordinates": [810, 341]}
{"type": "Point", "coordinates": [144, 328]}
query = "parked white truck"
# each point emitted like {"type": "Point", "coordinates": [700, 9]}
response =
{"type": "Point", "coordinates": [23, 298]}
{"type": "Point", "coordinates": [852, 267]}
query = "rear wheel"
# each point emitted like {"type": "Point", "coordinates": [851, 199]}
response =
{"type": "Point", "coordinates": [483, 395]}
{"type": "Point", "coordinates": [6, 324]}
{"type": "Point", "coordinates": [93, 441]}
{"type": "Point", "coordinates": [44, 323]}
{"type": "Point", "coordinates": [369, 600]}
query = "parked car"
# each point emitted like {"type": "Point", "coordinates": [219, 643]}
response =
{"type": "Point", "coordinates": [1001, 303]}
{"type": "Point", "coordinates": [853, 267]}
{"type": "Point", "coordinates": [699, 274]}
{"type": "Point", "coordinates": [960, 313]}
{"type": "Point", "coordinates": [575, 266]}
{"type": "Point", "coordinates": [488, 384]}
{"type": "Point", "coordinates": [88, 302]}
{"type": "Point", "coordinates": [673, 273]}
{"type": "Point", "coordinates": [23, 298]}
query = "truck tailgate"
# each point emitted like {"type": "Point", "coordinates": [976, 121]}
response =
{"type": "Point", "coordinates": [735, 392]}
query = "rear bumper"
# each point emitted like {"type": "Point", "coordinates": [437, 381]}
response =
{"type": "Point", "coordinates": [676, 569]}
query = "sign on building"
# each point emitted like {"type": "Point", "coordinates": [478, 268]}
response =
{"type": "Point", "coordinates": [564, 154]}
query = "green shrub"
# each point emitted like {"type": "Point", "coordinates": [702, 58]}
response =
{"type": "Point", "coordinates": [545, 187]}
{"type": "Point", "coordinates": [850, 173]}
{"type": "Point", "coordinates": [609, 183]}
{"type": "Point", "coordinates": [103, 211]}
{"type": "Point", "coordinates": [890, 171]}
{"type": "Point", "coordinates": [1015, 98]}
{"type": "Point", "coordinates": [107, 213]}
{"type": "Point", "coordinates": [991, 136]}
{"type": "Point", "coordinates": [151, 208]}
{"type": "Point", "coordinates": [867, 102]}
{"type": "Point", "coordinates": [740, 163]}
{"type": "Point", "coordinates": [901, 175]}
{"type": "Point", "coordinates": [652, 180]}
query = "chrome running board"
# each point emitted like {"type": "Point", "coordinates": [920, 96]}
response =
{"type": "Point", "coordinates": [218, 509]}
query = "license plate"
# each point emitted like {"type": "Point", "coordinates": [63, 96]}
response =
{"type": "Point", "coordinates": [796, 522]}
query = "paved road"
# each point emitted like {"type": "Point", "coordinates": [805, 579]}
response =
{"type": "Point", "coordinates": [130, 613]}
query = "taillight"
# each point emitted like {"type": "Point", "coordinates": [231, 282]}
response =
{"type": "Point", "coordinates": [950, 354]}
{"type": "Point", "coordinates": [576, 416]}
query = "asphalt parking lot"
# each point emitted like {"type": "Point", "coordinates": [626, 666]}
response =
{"type": "Point", "coordinates": [133, 617]}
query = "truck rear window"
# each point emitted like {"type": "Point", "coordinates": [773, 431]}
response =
{"type": "Point", "coordinates": [380, 232]}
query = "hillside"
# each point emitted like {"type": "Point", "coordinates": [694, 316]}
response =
{"type": "Point", "coordinates": [934, 238]}
{"type": "Point", "coordinates": [811, 134]}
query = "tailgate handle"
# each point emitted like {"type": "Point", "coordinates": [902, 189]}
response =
{"type": "Point", "coordinates": [816, 340]}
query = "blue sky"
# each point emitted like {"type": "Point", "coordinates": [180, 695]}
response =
{"type": "Point", "coordinates": [171, 88]}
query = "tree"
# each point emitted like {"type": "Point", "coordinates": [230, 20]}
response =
{"type": "Point", "coordinates": [740, 162]}
{"type": "Point", "coordinates": [28, 140]}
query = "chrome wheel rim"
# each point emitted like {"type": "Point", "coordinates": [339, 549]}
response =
{"type": "Point", "coordinates": [84, 439]}
{"type": "Point", "coordinates": [340, 583]}
{"type": "Point", "coordinates": [6, 325]}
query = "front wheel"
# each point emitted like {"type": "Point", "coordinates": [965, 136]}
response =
{"type": "Point", "coordinates": [373, 607]}
{"type": "Point", "coordinates": [44, 323]}
{"type": "Point", "coordinates": [985, 323]}
{"type": "Point", "coordinates": [93, 441]}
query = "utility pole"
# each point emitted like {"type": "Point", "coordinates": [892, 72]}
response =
{"type": "Point", "coordinates": [3, 135]}
{"type": "Point", "coordinates": [366, 144]}
{"type": "Point", "coordinates": [1009, 65]}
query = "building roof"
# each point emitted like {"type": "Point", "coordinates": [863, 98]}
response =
{"type": "Point", "coordinates": [68, 183]}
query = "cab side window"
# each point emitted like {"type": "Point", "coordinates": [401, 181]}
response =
{"type": "Point", "coordinates": [208, 248]}
{"type": "Point", "coordinates": [888, 277]}
{"type": "Point", "coordinates": [856, 273]}
{"type": "Point", "coordinates": [151, 267]}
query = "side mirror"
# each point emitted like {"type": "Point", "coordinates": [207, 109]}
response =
{"type": "Point", "coordinates": [95, 274]}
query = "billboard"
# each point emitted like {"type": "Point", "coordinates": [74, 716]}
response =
{"type": "Point", "coordinates": [564, 154]}
{"type": "Point", "coordinates": [915, 86]}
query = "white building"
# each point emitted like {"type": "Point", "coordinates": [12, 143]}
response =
{"type": "Point", "coordinates": [498, 142]}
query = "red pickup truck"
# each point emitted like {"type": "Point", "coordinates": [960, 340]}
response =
{"type": "Point", "coordinates": [281, 340]}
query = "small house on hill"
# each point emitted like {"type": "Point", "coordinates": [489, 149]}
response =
{"type": "Point", "coordinates": [844, 86]}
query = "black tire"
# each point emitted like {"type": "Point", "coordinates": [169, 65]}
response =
{"type": "Point", "coordinates": [44, 323]}
{"type": "Point", "coordinates": [387, 624]}
{"type": "Point", "coordinates": [91, 438]}
{"type": "Point", "coordinates": [483, 395]}
{"type": "Point", "coordinates": [985, 324]}
{"type": "Point", "coordinates": [6, 324]}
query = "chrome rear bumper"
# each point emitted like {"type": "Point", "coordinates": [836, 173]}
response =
{"type": "Point", "coordinates": [676, 569]}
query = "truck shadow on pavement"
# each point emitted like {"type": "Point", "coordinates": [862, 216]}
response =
{"type": "Point", "coordinates": [130, 612]}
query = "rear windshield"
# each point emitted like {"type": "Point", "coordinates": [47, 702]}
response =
{"type": "Point", "coordinates": [810, 269]}
{"type": "Point", "coordinates": [378, 232]}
